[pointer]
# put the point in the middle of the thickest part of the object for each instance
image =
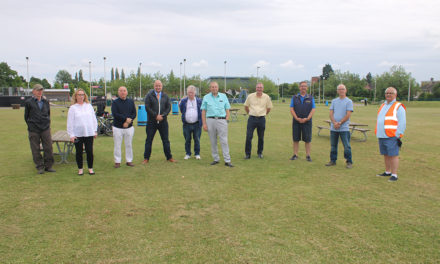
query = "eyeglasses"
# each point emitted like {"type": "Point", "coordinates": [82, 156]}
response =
{"type": "Point", "coordinates": [389, 93]}
{"type": "Point", "coordinates": [80, 94]}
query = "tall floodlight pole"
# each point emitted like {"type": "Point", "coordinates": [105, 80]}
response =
{"type": "Point", "coordinates": [27, 68]}
{"type": "Point", "coordinates": [375, 89]}
{"type": "Point", "coordinates": [225, 76]}
{"type": "Point", "coordinates": [278, 80]}
{"type": "Point", "coordinates": [105, 82]}
{"type": "Point", "coordinates": [90, 80]}
{"type": "Point", "coordinates": [184, 77]}
{"type": "Point", "coordinates": [323, 90]}
{"type": "Point", "coordinates": [319, 90]}
{"type": "Point", "coordinates": [180, 81]}
{"type": "Point", "coordinates": [258, 67]}
{"type": "Point", "coordinates": [140, 80]}
{"type": "Point", "coordinates": [409, 89]}
{"type": "Point", "coordinates": [200, 88]}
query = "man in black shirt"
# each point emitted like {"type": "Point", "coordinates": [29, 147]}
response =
{"type": "Point", "coordinates": [37, 117]}
{"type": "Point", "coordinates": [124, 112]}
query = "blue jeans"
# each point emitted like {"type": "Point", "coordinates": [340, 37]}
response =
{"type": "Point", "coordinates": [196, 131]}
{"type": "Point", "coordinates": [345, 138]}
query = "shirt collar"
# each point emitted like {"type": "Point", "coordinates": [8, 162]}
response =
{"type": "Point", "coordinates": [392, 102]}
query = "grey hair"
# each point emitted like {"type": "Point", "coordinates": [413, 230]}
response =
{"type": "Point", "coordinates": [191, 87]}
{"type": "Point", "coordinates": [342, 85]}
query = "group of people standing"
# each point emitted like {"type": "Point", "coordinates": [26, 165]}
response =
{"type": "Point", "coordinates": [212, 115]}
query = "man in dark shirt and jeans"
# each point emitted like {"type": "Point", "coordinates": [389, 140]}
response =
{"type": "Point", "coordinates": [124, 112]}
{"type": "Point", "coordinates": [37, 117]}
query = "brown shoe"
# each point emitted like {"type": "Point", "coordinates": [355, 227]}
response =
{"type": "Point", "coordinates": [145, 161]}
{"type": "Point", "coordinates": [172, 160]}
{"type": "Point", "coordinates": [117, 165]}
{"type": "Point", "coordinates": [130, 164]}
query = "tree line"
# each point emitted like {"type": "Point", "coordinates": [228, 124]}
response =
{"type": "Point", "coordinates": [358, 87]}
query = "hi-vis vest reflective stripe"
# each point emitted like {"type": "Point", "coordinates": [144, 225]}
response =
{"type": "Point", "coordinates": [391, 121]}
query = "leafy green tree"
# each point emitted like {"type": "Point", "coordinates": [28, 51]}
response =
{"type": "Point", "coordinates": [112, 75]}
{"type": "Point", "coordinates": [122, 74]}
{"type": "Point", "coordinates": [63, 76]}
{"type": "Point", "coordinates": [80, 76]}
{"type": "Point", "coordinates": [369, 78]}
{"type": "Point", "coordinates": [9, 77]}
{"type": "Point", "coordinates": [116, 74]}
{"type": "Point", "coordinates": [327, 70]}
{"type": "Point", "coordinates": [398, 78]}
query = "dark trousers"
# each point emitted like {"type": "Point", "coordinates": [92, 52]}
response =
{"type": "Point", "coordinates": [196, 131]}
{"type": "Point", "coordinates": [260, 124]}
{"type": "Point", "coordinates": [151, 129]}
{"type": "Point", "coordinates": [46, 140]}
{"type": "Point", "coordinates": [345, 138]}
{"type": "Point", "coordinates": [87, 142]}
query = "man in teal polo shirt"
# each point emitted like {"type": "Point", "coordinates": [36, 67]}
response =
{"type": "Point", "coordinates": [215, 116]}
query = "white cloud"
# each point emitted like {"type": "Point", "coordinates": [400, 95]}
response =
{"type": "Point", "coordinates": [291, 64]}
{"type": "Point", "coordinates": [201, 63]}
{"type": "Point", "coordinates": [153, 64]}
{"type": "Point", "coordinates": [261, 63]}
{"type": "Point", "coordinates": [389, 64]}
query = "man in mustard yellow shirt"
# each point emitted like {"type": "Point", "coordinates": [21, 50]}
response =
{"type": "Point", "coordinates": [257, 106]}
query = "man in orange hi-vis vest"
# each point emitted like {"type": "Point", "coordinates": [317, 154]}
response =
{"type": "Point", "coordinates": [391, 124]}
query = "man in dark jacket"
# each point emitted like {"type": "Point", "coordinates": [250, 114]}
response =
{"type": "Point", "coordinates": [37, 117]}
{"type": "Point", "coordinates": [192, 121]}
{"type": "Point", "coordinates": [158, 106]}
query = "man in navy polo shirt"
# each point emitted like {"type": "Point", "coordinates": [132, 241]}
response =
{"type": "Point", "coordinates": [302, 108]}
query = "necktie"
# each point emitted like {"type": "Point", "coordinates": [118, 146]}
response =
{"type": "Point", "coordinates": [158, 96]}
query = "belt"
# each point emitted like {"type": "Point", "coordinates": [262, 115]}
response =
{"type": "Point", "coordinates": [191, 123]}
{"type": "Point", "coordinates": [217, 117]}
{"type": "Point", "coordinates": [256, 116]}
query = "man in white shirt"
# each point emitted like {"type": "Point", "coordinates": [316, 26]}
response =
{"type": "Point", "coordinates": [192, 121]}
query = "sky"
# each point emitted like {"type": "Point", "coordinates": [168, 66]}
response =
{"type": "Point", "coordinates": [286, 40]}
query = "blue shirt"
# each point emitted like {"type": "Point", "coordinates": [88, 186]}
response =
{"type": "Point", "coordinates": [340, 108]}
{"type": "Point", "coordinates": [292, 104]}
{"type": "Point", "coordinates": [160, 95]}
{"type": "Point", "coordinates": [215, 106]}
{"type": "Point", "coordinates": [401, 120]}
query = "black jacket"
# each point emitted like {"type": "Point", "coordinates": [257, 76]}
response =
{"type": "Point", "coordinates": [152, 106]}
{"type": "Point", "coordinates": [121, 109]}
{"type": "Point", "coordinates": [37, 120]}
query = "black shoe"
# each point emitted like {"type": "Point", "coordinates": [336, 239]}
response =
{"type": "Point", "coordinates": [260, 156]}
{"type": "Point", "coordinates": [50, 170]}
{"type": "Point", "coordinates": [294, 157]}
{"type": "Point", "coordinates": [309, 159]}
{"type": "Point", "coordinates": [330, 163]}
{"type": "Point", "coordinates": [214, 162]}
{"type": "Point", "coordinates": [41, 171]}
{"type": "Point", "coordinates": [229, 164]}
{"type": "Point", "coordinates": [392, 179]}
{"type": "Point", "coordinates": [384, 174]}
{"type": "Point", "coordinates": [247, 156]}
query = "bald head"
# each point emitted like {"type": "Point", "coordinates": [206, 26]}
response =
{"type": "Point", "coordinates": [122, 92]}
{"type": "Point", "coordinates": [158, 86]}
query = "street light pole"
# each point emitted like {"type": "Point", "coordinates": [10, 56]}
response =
{"type": "Point", "coordinates": [258, 67]}
{"type": "Point", "coordinates": [140, 80]}
{"type": "Point", "coordinates": [180, 81]}
{"type": "Point", "coordinates": [184, 77]}
{"type": "Point", "coordinates": [90, 80]}
{"type": "Point", "coordinates": [105, 82]}
{"type": "Point", "coordinates": [225, 76]}
{"type": "Point", "coordinates": [319, 90]}
{"type": "Point", "coordinates": [27, 67]}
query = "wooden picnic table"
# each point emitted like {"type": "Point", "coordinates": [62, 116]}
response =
{"type": "Point", "coordinates": [61, 137]}
{"type": "Point", "coordinates": [234, 114]}
{"type": "Point", "coordinates": [353, 127]}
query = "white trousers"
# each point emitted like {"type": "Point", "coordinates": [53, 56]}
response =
{"type": "Point", "coordinates": [120, 134]}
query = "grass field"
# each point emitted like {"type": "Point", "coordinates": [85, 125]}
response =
{"type": "Point", "coordinates": [262, 211]}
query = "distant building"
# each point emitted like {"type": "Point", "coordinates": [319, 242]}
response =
{"type": "Point", "coordinates": [426, 86]}
{"type": "Point", "coordinates": [62, 95]}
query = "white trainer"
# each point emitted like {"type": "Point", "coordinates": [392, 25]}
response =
{"type": "Point", "coordinates": [198, 157]}
{"type": "Point", "coordinates": [187, 157]}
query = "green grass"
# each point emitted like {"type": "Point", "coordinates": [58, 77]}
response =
{"type": "Point", "coordinates": [262, 211]}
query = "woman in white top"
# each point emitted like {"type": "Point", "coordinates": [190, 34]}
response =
{"type": "Point", "coordinates": [82, 128]}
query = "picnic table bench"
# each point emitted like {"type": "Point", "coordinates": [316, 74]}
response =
{"type": "Point", "coordinates": [61, 137]}
{"type": "Point", "coordinates": [234, 114]}
{"type": "Point", "coordinates": [353, 127]}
